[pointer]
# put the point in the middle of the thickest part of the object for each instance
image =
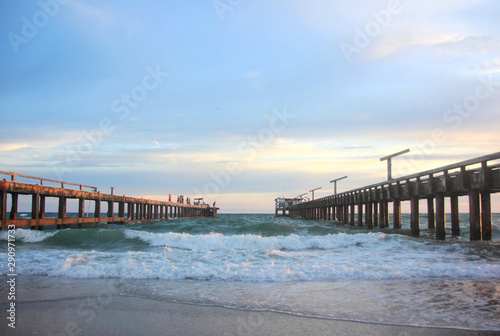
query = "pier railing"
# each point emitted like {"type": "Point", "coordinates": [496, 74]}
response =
{"type": "Point", "coordinates": [478, 178]}
{"type": "Point", "coordinates": [62, 183]}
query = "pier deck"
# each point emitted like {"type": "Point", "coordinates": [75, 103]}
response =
{"type": "Point", "coordinates": [476, 178]}
{"type": "Point", "coordinates": [129, 209]}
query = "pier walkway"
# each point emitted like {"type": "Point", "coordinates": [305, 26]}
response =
{"type": "Point", "coordinates": [129, 209]}
{"type": "Point", "coordinates": [476, 178]}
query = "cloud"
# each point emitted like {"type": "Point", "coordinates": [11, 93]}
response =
{"type": "Point", "coordinates": [254, 78]}
{"type": "Point", "coordinates": [491, 67]}
{"type": "Point", "coordinates": [469, 45]}
{"type": "Point", "coordinates": [103, 16]}
{"type": "Point", "coordinates": [11, 147]}
{"type": "Point", "coordinates": [253, 75]}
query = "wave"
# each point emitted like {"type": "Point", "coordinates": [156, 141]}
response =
{"type": "Point", "coordinates": [218, 241]}
{"type": "Point", "coordinates": [28, 236]}
{"type": "Point", "coordinates": [96, 238]}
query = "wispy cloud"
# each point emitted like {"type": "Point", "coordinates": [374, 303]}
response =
{"type": "Point", "coordinates": [12, 147]}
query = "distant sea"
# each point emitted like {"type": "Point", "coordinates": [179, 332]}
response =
{"type": "Point", "coordinates": [261, 262]}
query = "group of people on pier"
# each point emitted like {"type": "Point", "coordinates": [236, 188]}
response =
{"type": "Point", "coordinates": [180, 199]}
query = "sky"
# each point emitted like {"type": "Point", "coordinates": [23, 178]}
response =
{"type": "Point", "coordinates": [243, 101]}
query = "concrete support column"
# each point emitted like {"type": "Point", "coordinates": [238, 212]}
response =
{"type": "Point", "coordinates": [111, 211]}
{"type": "Point", "coordinates": [369, 215]}
{"type": "Point", "coordinates": [360, 214]}
{"type": "Point", "coordinates": [474, 215]}
{"type": "Point", "coordinates": [97, 210]}
{"type": "Point", "coordinates": [485, 215]}
{"type": "Point", "coordinates": [3, 208]}
{"type": "Point", "coordinates": [455, 215]}
{"type": "Point", "coordinates": [397, 214]}
{"type": "Point", "coordinates": [61, 210]}
{"type": "Point", "coordinates": [430, 213]}
{"type": "Point", "coordinates": [382, 212]}
{"type": "Point", "coordinates": [440, 217]}
{"type": "Point", "coordinates": [35, 210]}
{"type": "Point", "coordinates": [351, 221]}
{"type": "Point", "coordinates": [415, 217]}
{"type": "Point", "coordinates": [14, 206]}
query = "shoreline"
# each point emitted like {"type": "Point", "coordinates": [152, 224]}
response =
{"type": "Point", "coordinates": [65, 306]}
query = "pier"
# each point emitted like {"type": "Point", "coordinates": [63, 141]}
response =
{"type": "Point", "coordinates": [476, 178]}
{"type": "Point", "coordinates": [129, 209]}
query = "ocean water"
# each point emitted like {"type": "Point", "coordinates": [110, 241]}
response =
{"type": "Point", "coordinates": [261, 262]}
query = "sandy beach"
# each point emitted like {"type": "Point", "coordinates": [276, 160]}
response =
{"type": "Point", "coordinates": [61, 306]}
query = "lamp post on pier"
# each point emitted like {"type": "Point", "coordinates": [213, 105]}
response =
{"type": "Point", "coordinates": [389, 162]}
{"type": "Point", "coordinates": [335, 183]}
{"type": "Point", "coordinates": [313, 192]}
{"type": "Point", "coordinates": [300, 196]}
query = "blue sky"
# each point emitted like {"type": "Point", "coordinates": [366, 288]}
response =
{"type": "Point", "coordinates": [244, 101]}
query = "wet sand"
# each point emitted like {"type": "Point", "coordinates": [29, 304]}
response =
{"type": "Point", "coordinates": [56, 306]}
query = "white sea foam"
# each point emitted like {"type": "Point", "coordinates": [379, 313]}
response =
{"type": "Point", "coordinates": [28, 236]}
{"type": "Point", "coordinates": [217, 241]}
{"type": "Point", "coordinates": [261, 259]}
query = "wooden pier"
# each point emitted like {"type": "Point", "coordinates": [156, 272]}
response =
{"type": "Point", "coordinates": [476, 178]}
{"type": "Point", "coordinates": [129, 209]}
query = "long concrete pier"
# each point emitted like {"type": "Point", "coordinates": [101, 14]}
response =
{"type": "Point", "coordinates": [476, 178]}
{"type": "Point", "coordinates": [129, 209]}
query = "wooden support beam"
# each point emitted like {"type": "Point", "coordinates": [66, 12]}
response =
{"type": "Point", "coordinates": [97, 211]}
{"type": "Point", "coordinates": [440, 217]}
{"type": "Point", "coordinates": [41, 212]}
{"type": "Point", "coordinates": [386, 217]}
{"type": "Point", "coordinates": [382, 213]}
{"type": "Point", "coordinates": [35, 210]}
{"type": "Point", "coordinates": [14, 206]}
{"type": "Point", "coordinates": [375, 214]}
{"type": "Point", "coordinates": [415, 217]}
{"type": "Point", "coordinates": [42, 207]}
{"type": "Point", "coordinates": [111, 211]}
{"type": "Point", "coordinates": [3, 208]}
{"type": "Point", "coordinates": [369, 215]}
{"type": "Point", "coordinates": [360, 214]}
{"type": "Point", "coordinates": [430, 213]}
{"type": "Point", "coordinates": [62, 208]}
{"type": "Point", "coordinates": [346, 213]}
{"type": "Point", "coordinates": [81, 209]}
{"type": "Point", "coordinates": [455, 215]}
{"type": "Point", "coordinates": [121, 209]}
{"type": "Point", "coordinates": [486, 215]}
{"type": "Point", "coordinates": [130, 211]}
{"type": "Point", "coordinates": [397, 214]}
{"type": "Point", "coordinates": [474, 215]}
{"type": "Point", "coordinates": [351, 221]}
{"type": "Point", "coordinates": [61, 211]}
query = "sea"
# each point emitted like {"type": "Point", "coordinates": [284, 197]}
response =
{"type": "Point", "coordinates": [260, 262]}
